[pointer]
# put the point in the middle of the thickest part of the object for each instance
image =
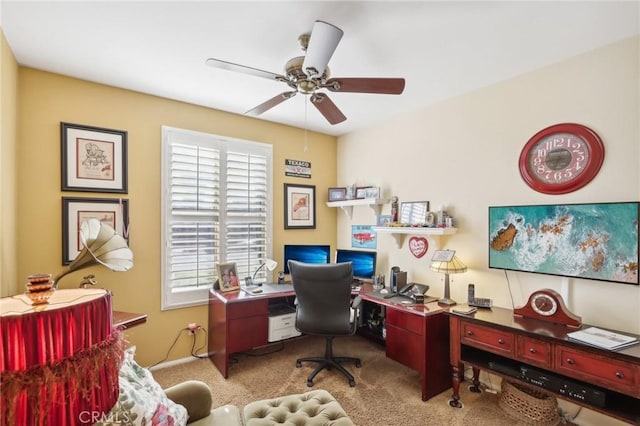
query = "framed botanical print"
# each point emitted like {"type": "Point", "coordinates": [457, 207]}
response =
{"type": "Point", "coordinates": [299, 206]}
{"type": "Point", "coordinates": [94, 159]}
{"type": "Point", "coordinates": [112, 211]}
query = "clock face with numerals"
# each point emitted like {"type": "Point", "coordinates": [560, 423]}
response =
{"type": "Point", "coordinates": [561, 158]}
{"type": "Point", "coordinates": [543, 304]}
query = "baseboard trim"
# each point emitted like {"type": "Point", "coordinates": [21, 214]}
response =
{"type": "Point", "coordinates": [174, 362]}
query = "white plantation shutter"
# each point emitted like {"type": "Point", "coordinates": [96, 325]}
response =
{"type": "Point", "coordinates": [216, 209]}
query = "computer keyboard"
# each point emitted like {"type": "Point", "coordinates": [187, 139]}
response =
{"type": "Point", "coordinates": [480, 302]}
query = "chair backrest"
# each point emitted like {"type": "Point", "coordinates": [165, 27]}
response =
{"type": "Point", "coordinates": [323, 292]}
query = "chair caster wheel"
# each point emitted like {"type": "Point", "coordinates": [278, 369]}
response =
{"type": "Point", "coordinates": [455, 403]}
{"type": "Point", "coordinates": [298, 364]}
{"type": "Point", "coordinates": [358, 364]}
{"type": "Point", "coordinates": [310, 383]}
{"type": "Point", "coordinates": [352, 383]}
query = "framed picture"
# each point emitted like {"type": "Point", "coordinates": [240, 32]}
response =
{"type": "Point", "coordinates": [93, 159]}
{"type": "Point", "coordinates": [372, 192]}
{"type": "Point", "coordinates": [337, 194]}
{"type": "Point", "coordinates": [361, 191]}
{"type": "Point", "coordinates": [299, 206]}
{"type": "Point", "coordinates": [414, 213]}
{"type": "Point", "coordinates": [112, 211]}
{"type": "Point", "coordinates": [228, 277]}
{"type": "Point", "coordinates": [363, 236]}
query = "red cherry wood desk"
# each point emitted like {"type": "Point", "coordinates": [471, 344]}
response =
{"type": "Point", "coordinates": [496, 335]}
{"type": "Point", "coordinates": [416, 336]}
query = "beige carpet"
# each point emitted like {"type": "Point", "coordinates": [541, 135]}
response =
{"type": "Point", "coordinates": [386, 393]}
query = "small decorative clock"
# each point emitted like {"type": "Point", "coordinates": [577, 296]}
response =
{"type": "Point", "coordinates": [561, 158]}
{"type": "Point", "coordinates": [548, 305]}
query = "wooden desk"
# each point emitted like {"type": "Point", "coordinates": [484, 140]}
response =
{"type": "Point", "coordinates": [496, 335]}
{"type": "Point", "coordinates": [417, 336]}
{"type": "Point", "coordinates": [128, 319]}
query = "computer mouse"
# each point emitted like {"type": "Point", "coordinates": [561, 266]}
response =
{"type": "Point", "coordinates": [384, 291]}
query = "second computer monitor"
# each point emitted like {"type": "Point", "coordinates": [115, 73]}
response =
{"type": "Point", "coordinates": [364, 262]}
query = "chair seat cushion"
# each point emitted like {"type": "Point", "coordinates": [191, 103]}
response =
{"type": "Point", "coordinates": [317, 407]}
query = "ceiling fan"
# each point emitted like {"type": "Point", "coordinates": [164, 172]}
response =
{"type": "Point", "coordinates": [309, 73]}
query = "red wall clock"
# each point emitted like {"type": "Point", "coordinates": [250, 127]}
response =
{"type": "Point", "coordinates": [561, 158]}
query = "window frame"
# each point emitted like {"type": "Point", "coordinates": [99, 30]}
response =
{"type": "Point", "coordinates": [195, 297]}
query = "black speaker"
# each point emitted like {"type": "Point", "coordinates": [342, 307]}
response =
{"type": "Point", "coordinates": [471, 293]}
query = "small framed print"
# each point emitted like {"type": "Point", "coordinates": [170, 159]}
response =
{"type": "Point", "coordinates": [228, 277]}
{"type": "Point", "coordinates": [361, 192]}
{"type": "Point", "coordinates": [337, 194]}
{"type": "Point", "coordinates": [299, 206]}
{"type": "Point", "coordinates": [414, 213]}
{"type": "Point", "coordinates": [112, 211]}
{"type": "Point", "coordinates": [94, 159]}
{"type": "Point", "coordinates": [372, 192]}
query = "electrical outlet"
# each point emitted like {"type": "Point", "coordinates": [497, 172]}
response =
{"type": "Point", "coordinates": [193, 327]}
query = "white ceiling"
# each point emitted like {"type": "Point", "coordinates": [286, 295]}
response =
{"type": "Point", "coordinates": [442, 49]}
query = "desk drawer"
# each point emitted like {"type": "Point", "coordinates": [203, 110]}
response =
{"type": "Point", "coordinates": [406, 321]}
{"type": "Point", "coordinates": [405, 347]}
{"type": "Point", "coordinates": [534, 351]}
{"type": "Point", "coordinates": [248, 309]}
{"type": "Point", "coordinates": [488, 339]}
{"type": "Point", "coordinates": [600, 370]}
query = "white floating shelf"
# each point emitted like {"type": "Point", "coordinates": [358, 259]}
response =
{"type": "Point", "coordinates": [399, 233]}
{"type": "Point", "coordinates": [347, 205]}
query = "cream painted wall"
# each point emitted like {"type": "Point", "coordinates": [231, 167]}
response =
{"type": "Point", "coordinates": [8, 171]}
{"type": "Point", "coordinates": [463, 154]}
{"type": "Point", "coordinates": [47, 99]}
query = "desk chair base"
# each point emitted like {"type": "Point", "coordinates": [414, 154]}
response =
{"type": "Point", "coordinates": [329, 362]}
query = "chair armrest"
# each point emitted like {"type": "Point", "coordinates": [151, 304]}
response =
{"type": "Point", "coordinates": [356, 302]}
{"type": "Point", "coordinates": [194, 395]}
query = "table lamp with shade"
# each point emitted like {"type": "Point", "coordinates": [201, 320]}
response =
{"type": "Point", "coordinates": [446, 262]}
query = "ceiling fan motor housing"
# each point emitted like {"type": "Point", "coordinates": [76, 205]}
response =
{"type": "Point", "coordinates": [305, 84]}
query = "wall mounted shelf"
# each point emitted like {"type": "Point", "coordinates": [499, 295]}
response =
{"type": "Point", "coordinates": [347, 205]}
{"type": "Point", "coordinates": [399, 233]}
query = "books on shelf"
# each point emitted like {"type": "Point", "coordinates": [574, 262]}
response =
{"type": "Point", "coordinates": [602, 338]}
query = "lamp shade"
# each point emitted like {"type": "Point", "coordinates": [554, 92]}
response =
{"type": "Point", "coordinates": [454, 266]}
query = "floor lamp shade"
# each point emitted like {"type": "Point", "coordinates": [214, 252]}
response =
{"type": "Point", "coordinates": [454, 266]}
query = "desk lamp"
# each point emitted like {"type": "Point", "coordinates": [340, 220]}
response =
{"type": "Point", "coordinates": [270, 264]}
{"type": "Point", "coordinates": [447, 262]}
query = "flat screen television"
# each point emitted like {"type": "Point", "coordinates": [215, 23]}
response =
{"type": "Point", "coordinates": [364, 262]}
{"type": "Point", "coordinates": [592, 241]}
{"type": "Point", "coordinates": [317, 253]}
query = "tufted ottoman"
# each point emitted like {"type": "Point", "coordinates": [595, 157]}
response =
{"type": "Point", "coordinates": [315, 407]}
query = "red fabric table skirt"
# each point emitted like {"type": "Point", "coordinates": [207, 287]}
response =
{"type": "Point", "coordinates": [59, 361]}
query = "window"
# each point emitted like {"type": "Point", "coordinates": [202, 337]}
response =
{"type": "Point", "coordinates": [216, 208]}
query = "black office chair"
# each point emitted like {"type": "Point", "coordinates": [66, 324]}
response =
{"type": "Point", "coordinates": [324, 308]}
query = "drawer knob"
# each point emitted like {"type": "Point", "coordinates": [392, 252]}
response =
{"type": "Point", "coordinates": [501, 341]}
{"type": "Point", "coordinates": [532, 350]}
{"type": "Point", "coordinates": [619, 375]}
{"type": "Point", "coordinates": [570, 361]}
{"type": "Point", "coordinates": [469, 333]}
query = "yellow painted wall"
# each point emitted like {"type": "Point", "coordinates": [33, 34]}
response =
{"type": "Point", "coordinates": [46, 99]}
{"type": "Point", "coordinates": [8, 170]}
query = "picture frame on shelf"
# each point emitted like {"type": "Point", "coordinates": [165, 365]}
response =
{"type": "Point", "coordinates": [299, 206]}
{"type": "Point", "coordinates": [75, 210]}
{"type": "Point", "coordinates": [337, 194]}
{"type": "Point", "coordinates": [361, 192]}
{"type": "Point", "coordinates": [228, 276]}
{"type": "Point", "coordinates": [414, 212]}
{"type": "Point", "coordinates": [93, 159]}
{"type": "Point", "coordinates": [372, 192]}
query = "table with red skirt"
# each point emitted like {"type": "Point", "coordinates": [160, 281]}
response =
{"type": "Point", "coordinates": [59, 361]}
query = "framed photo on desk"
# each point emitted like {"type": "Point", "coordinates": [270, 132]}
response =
{"type": "Point", "coordinates": [228, 277]}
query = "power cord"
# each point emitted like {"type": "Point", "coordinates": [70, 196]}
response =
{"type": "Point", "coordinates": [194, 352]}
{"type": "Point", "coordinates": [170, 348]}
{"type": "Point", "coordinates": [509, 288]}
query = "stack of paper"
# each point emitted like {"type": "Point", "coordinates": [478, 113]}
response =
{"type": "Point", "coordinates": [464, 309]}
{"type": "Point", "coordinates": [602, 338]}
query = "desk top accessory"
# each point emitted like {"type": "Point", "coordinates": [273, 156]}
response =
{"type": "Point", "coordinates": [447, 262]}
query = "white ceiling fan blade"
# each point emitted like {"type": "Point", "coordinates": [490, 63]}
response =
{"type": "Point", "coordinates": [230, 66]}
{"type": "Point", "coordinates": [322, 43]}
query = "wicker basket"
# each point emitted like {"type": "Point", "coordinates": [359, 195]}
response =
{"type": "Point", "coordinates": [528, 406]}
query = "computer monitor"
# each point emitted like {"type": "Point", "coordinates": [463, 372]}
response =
{"type": "Point", "coordinates": [317, 253]}
{"type": "Point", "coordinates": [364, 262]}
